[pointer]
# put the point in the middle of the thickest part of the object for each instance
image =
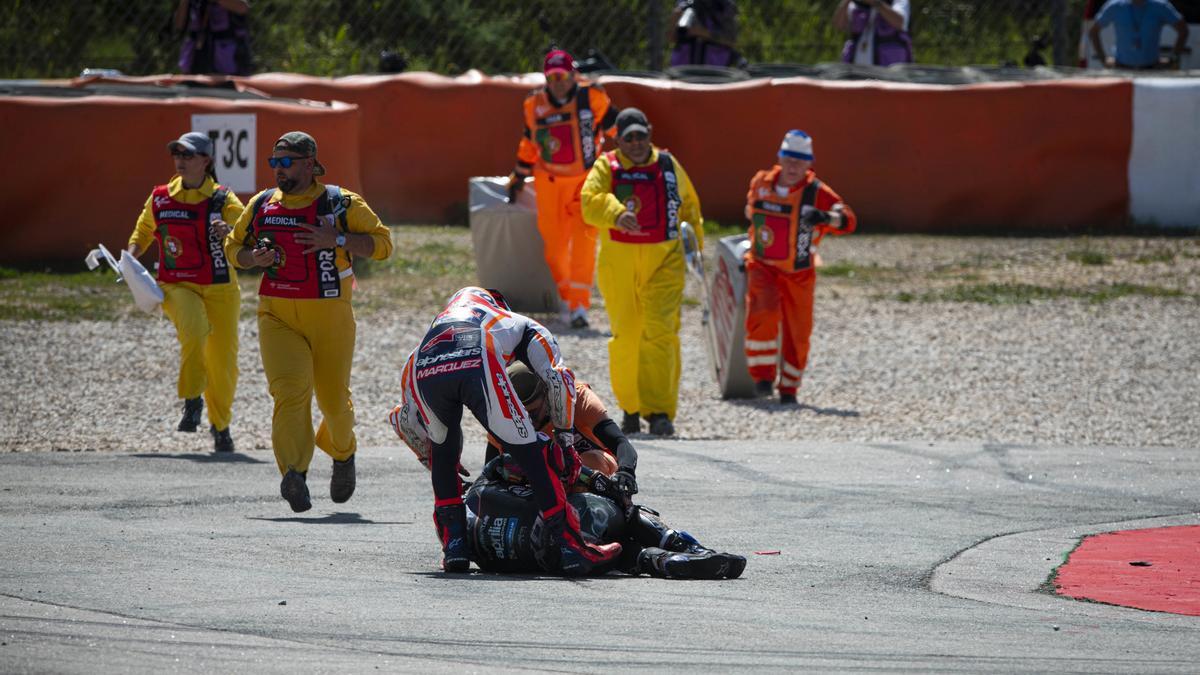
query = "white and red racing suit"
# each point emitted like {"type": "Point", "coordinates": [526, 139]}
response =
{"type": "Point", "coordinates": [460, 362]}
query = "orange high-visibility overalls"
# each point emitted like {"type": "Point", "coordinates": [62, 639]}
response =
{"type": "Point", "coordinates": [780, 275]}
{"type": "Point", "coordinates": [559, 146]}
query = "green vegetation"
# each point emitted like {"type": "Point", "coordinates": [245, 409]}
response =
{"type": "Point", "coordinates": [1089, 257]}
{"type": "Point", "coordinates": [41, 39]}
{"type": "Point", "coordinates": [1155, 257]}
{"type": "Point", "coordinates": [713, 228]}
{"type": "Point", "coordinates": [429, 262]}
{"type": "Point", "coordinates": [62, 297]}
{"type": "Point", "coordinates": [1020, 294]}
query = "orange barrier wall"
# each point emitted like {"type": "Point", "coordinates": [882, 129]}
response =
{"type": "Point", "coordinates": [423, 135]}
{"type": "Point", "coordinates": [1038, 156]}
{"type": "Point", "coordinates": [78, 170]}
{"type": "Point", "coordinates": [1041, 156]}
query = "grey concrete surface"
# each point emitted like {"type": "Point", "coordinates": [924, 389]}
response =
{"type": "Point", "coordinates": [906, 556]}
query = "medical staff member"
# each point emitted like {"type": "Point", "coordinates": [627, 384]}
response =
{"type": "Point", "coordinates": [789, 211]}
{"type": "Point", "coordinates": [188, 219]}
{"type": "Point", "coordinates": [565, 125]}
{"type": "Point", "coordinates": [304, 233]}
{"type": "Point", "coordinates": [639, 194]}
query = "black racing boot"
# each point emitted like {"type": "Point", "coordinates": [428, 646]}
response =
{"type": "Point", "coordinates": [787, 399]}
{"type": "Point", "coordinates": [294, 488]}
{"type": "Point", "coordinates": [631, 423]}
{"type": "Point", "coordinates": [682, 565]}
{"type": "Point", "coordinates": [222, 441]}
{"type": "Point", "coordinates": [341, 483]}
{"type": "Point", "coordinates": [680, 541]}
{"type": "Point", "coordinates": [763, 388]}
{"type": "Point", "coordinates": [660, 424]}
{"type": "Point", "coordinates": [192, 407]}
{"type": "Point", "coordinates": [451, 524]}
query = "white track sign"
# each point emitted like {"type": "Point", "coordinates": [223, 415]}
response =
{"type": "Point", "coordinates": [233, 138]}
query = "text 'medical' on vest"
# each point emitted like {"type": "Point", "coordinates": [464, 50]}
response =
{"type": "Point", "coordinates": [295, 274]}
{"type": "Point", "coordinates": [650, 192]}
{"type": "Point", "coordinates": [189, 249]}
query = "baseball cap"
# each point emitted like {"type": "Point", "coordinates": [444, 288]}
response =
{"type": "Point", "coordinates": [192, 141]}
{"type": "Point", "coordinates": [302, 143]}
{"type": "Point", "coordinates": [631, 119]}
{"type": "Point", "coordinates": [558, 60]}
{"type": "Point", "coordinates": [797, 145]}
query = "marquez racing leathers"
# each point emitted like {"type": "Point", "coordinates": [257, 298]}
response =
{"type": "Point", "coordinates": [461, 362]}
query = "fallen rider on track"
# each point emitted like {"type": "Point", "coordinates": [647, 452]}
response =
{"type": "Point", "coordinates": [505, 534]}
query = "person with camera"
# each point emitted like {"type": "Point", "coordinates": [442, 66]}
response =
{"type": "Point", "coordinates": [878, 31]}
{"type": "Point", "coordinates": [188, 218]}
{"type": "Point", "coordinates": [1138, 25]}
{"type": "Point", "coordinates": [705, 33]}
{"type": "Point", "coordinates": [789, 210]}
{"type": "Point", "coordinates": [216, 39]}
{"type": "Point", "coordinates": [565, 125]}
{"type": "Point", "coordinates": [303, 235]}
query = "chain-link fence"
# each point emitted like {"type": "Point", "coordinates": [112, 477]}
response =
{"type": "Point", "coordinates": [59, 38]}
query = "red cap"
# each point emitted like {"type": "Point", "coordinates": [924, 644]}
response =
{"type": "Point", "coordinates": [558, 60]}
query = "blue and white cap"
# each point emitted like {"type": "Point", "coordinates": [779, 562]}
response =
{"type": "Point", "coordinates": [797, 145]}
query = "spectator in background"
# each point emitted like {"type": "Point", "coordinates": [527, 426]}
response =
{"type": "Point", "coordinates": [1138, 25]}
{"type": "Point", "coordinates": [878, 31]}
{"type": "Point", "coordinates": [215, 37]}
{"type": "Point", "coordinates": [189, 218]}
{"type": "Point", "coordinates": [705, 33]}
{"type": "Point", "coordinates": [565, 125]}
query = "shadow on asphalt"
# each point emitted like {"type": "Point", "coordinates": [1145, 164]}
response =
{"type": "Point", "coordinates": [339, 518]}
{"type": "Point", "coordinates": [480, 575]}
{"type": "Point", "coordinates": [773, 405]}
{"type": "Point", "coordinates": [205, 458]}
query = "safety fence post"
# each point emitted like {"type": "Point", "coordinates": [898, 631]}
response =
{"type": "Point", "coordinates": [654, 34]}
{"type": "Point", "coordinates": [1058, 11]}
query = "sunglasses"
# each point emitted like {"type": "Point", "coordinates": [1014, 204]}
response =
{"type": "Point", "coordinates": [635, 136]}
{"type": "Point", "coordinates": [285, 162]}
{"type": "Point", "coordinates": [557, 76]}
{"type": "Point", "coordinates": [183, 155]}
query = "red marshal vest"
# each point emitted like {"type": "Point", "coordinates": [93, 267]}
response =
{"type": "Point", "coordinates": [567, 137]}
{"type": "Point", "coordinates": [651, 192]}
{"type": "Point", "coordinates": [297, 275]}
{"type": "Point", "coordinates": [188, 249]}
{"type": "Point", "coordinates": [777, 236]}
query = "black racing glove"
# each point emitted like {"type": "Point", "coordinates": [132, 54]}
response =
{"type": "Point", "coordinates": [515, 183]}
{"type": "Point", "coordinates": [625, 482]}
{"type": "Point", "coordinates": [812, 217]}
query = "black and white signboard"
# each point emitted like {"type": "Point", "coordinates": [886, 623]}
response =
{"type": "Point", "coordinates": [233, 139]}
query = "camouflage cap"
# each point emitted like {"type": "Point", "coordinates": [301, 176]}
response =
{"type": "Point", "coordinates": [302, 143]}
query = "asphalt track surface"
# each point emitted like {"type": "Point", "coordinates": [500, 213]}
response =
{"type": "Point", "coordinates": [907, 556]}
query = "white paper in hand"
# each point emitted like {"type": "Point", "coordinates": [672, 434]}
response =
{"type": "Point", "coordinates": [146, 293]}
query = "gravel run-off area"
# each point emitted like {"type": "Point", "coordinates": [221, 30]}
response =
{"type": "Point", "coordinates": [891, 360]}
